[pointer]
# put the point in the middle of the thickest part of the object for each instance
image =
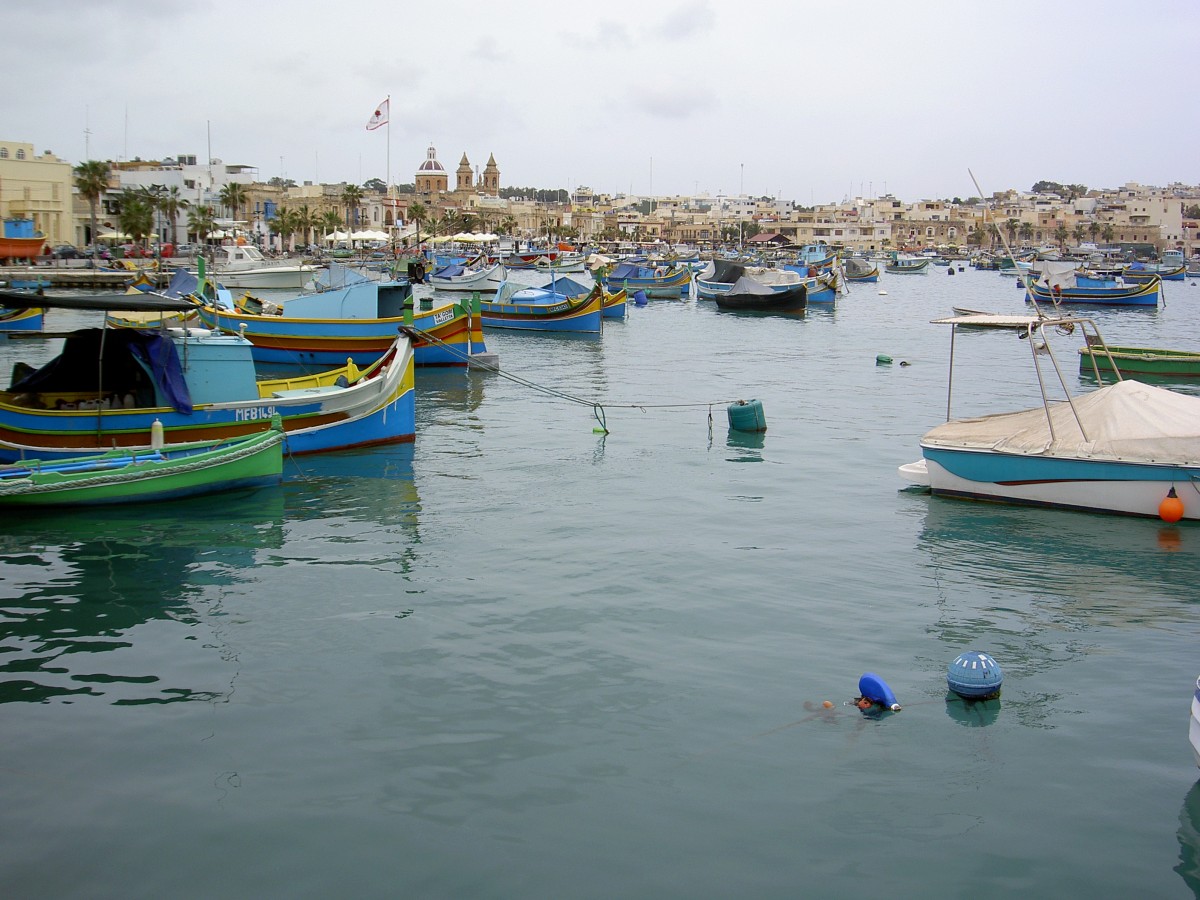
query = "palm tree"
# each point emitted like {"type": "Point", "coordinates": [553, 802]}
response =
{"type": "Point", "coordinates": [171, 204]}
{"type": "Point", "coordinates": [1107, 233]}
{"type": "Point", "coordinates": [306, 220]}
{"type": "Point", "coordinates": [330, 220]}
{"type": "Point", "coordinates": [1026, 231]}
{"type": "Point", "coordinates": [352, 196]}
{"type": "Point", "coordinates": [1078, 232]}
{"type": "Point", "coordinates": [1060, 235]}
{"type": "Point", "coordinates": [508, 225]}
{"type": "Point", "coordinates": [137, 213]}
{"type": "Point", "coordinates": [201, 222]}
{"type": "Point", "coordinates": [91, 180]}
{"type": "Point", "coordinates": [233, 197]}
{"type": "Point", "coordinates": [283, 224]}
{"type": "Point", "coordinates": [1093, 229]}
{"type": "Point", "coordinates": [1011, 227]}
{"type": "Point", "coordinates": [419, 214]}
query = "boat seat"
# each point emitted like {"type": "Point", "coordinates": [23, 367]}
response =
{"type": "Point", "coordinates": [306, 392]}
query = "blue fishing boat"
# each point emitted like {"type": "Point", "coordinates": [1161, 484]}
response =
{"type": "Point", "coordinates": [665, 281]}
{"type": "Point", "coordinates": [542, 309]}
{"type": "Point", "coordinates": [857, 269]}
{"type": "Point", "coordinates": [31, 319]}
{"type": "Point", "coordinates": [1060, 282]}
{"type": "Point", "coordinates": [108, 386]}
{"type": "Point", "coordinates": [350, 316]}
{"type": "Point", "coordinates": [1142, 272]}
{"type": "Point", "coordinates": [614, 303]}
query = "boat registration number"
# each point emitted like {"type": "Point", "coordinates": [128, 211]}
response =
{"type": "Point", "coordinates": [559, 308]}
{"type": "Point", "coordinates": [442, 317]}
{"type": "Point", "coordinates": [254, 413]}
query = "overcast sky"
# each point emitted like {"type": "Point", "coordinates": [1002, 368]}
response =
{"type": "Point", "coordinates": [805, 101]}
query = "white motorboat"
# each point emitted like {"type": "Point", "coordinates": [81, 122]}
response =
{"type": "Point", "coordinates": [246, 267]}
{"type": "Point", "coordinates": [1128, 448]}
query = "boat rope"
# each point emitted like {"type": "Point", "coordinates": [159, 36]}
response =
{"type": "Point", "coordinates": [597, 407]}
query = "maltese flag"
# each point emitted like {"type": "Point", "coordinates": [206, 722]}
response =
{"type": "Point", "coordinates": [380, 117]}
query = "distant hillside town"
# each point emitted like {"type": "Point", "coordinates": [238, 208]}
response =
{"type": "Point", "coordinates": [185, 199]}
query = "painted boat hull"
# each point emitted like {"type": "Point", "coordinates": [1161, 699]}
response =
{"type": "Point", "coordinates": [789, 301]}
{"type": "Point", "coordinates": [1140, 361]}
{"type": "Point", "coordinates": [919, 267]}
{"type": "Point", "coordinates": [579, 315]}
{"type": "Point", "coordinates": [1194, 727]}
{"type": "Point", "coordinates": [453, 336]}
{"type": "Point", "coordinates": [22, 319]}
{"type": "Point", "coordinates": [120, 477]}
{"type": "Point", "coordinates": [669, 287]}
{"type": "Point", "coordinates": [21, 247]}
{"type": "Point", "coordinates": [486, 281]}
{"type": "Point", "coordinates": [378, 406]}
{"type": "Point", "coordinates": [1091, 485]}
{"type": "Point", "coordinates": [1146, 294]}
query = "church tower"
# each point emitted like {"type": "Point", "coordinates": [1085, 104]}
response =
{"type": "Point", "coordinates": [431, 177]}
{"type": "Point", "coordinates": [464, 183]}
{"type": "Point", "coordinates": [491, 177]}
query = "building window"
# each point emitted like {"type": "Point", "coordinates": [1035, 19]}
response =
{"type": "Point", "coordinates": [3, 153]}
{"type": "Point", "coordinates": [20, 154]}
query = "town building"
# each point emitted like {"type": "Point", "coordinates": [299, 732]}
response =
{"type": "Point", "coordinates": [37, 186]}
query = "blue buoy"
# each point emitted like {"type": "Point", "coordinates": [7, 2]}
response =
{"type": "Point", "coordinates": [974, 676]}
{"type": "Point", "coordinates": [639, 298]}
{"type": "Point", "coordinates": [872, 687]}
{"type": "Point", "coordinates": [747, 415]}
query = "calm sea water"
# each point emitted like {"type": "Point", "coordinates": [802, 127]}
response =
{"type": "Point", "coordinates": [521, 658]}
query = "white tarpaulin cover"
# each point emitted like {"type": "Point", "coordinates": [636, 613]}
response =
{"type": "Point", "coordinates": [1128, 421]}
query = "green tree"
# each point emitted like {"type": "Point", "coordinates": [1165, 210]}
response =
{"type": "Point", "coordinates": [1026, 231]}
{"type": "Point", "coordinates": [201, 222]}
{"type": "Point", "coordinates": [137, 214]}
{"type": "Point", "coordinates": [1060, 234]}
{"type": "Point", "coordinates": [419, 214]}
{"type": "Point", "coordinates": [329, 221]}
{"type": "Point", "coordinates": [352, 196]}
{"type": "Point", "coordinates": [283, 224]}
{"type": "Point", "coordinates": [1011, 226]}
{"type": "Point", "coordinates": [1107, 233]}
{"type": "Point", "coordinates": [1093, 229]}
{"type": "Point", "coordinates": [1078, 232]}
{"type": "Point", "coordinates": [1192, 212]}
{"type": "Point", "coordinates": [171, 204]}
{"type": "Point", "coordinates": [306, 221]}
{"type": "Point", "coordinates": [233, 198]}
{"type": "Point", "coordinates": [91, 180]}
{"type": "Point", "coordinates": [508, 225]}
{"type": "Point", "coordinates": [375, 186]}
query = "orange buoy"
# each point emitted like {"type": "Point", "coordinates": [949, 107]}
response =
{"type": "Point", "coordinates": [828, 704]}
{"type": "Point", "coordinates": [1171, 508]}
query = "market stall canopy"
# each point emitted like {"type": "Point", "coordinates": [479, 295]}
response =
{"type": "Point", "coordinates": [337, 236]}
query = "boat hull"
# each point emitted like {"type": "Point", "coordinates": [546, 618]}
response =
{"type": "Point", "coordinates": [1092, 485]}
{"type": "Point", "coordinates": [1146, 294]}
{"type": "Point", "coordinates": [22, 319]}
{"type": "Point", "coordinates": [1141, 361]}
{"type": "Point", "coordinates": [317, 415]}
{"type": "Point", "coordinates": [449, 336]}
{"type": "Point", "coordinates": [1194, 727]}
{"type": "Point", "coordinates": [274, 277]}
{"type": "Point", "coordinates": [580, 315]}
{"type": "Point", "coordinates": [174, 472]}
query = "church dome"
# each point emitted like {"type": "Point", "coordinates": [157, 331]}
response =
{"type": "Point", "coordinates": [431, 163]}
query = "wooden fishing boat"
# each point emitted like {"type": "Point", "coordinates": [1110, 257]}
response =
{"type": "Point", "coordinates": [141, 476]}
{"type": "Point", "coordinates": [477, 276]}
{"type": "Point", "coordinates": [353, 318]}
{"type": "Point", "coordinates": [671, 282]}
{"type": "Point", "coordinates": [614, 303]}
{"type": "Point", "coordinates": [1097, 360]}
{"type": "Point", "coordinates": [907, 265]}
{"type": "Point", "coordinates": [721, 275]}
{"type": "Point", "coordinates": [108, 386]}
{"type": "Point", "coordinates": [539, 309]}
{"type": "Point", "coordinates": [31, 319]}
{"type": "Point", "coordinates": [750, 295]}
{"type": "Point", "coordinates": [856, 269]}
{"type": "Point", "coordinates": [1070, 287]}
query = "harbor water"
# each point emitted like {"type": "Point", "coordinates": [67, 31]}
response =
{"type": "Point", "coordinates": [525, 658]}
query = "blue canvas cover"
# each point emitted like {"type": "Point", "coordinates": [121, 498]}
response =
{"type": "Point", "coordinates": [114, 361]}
{"type": "Point", "coordinates": [626, 270]}
{"type": "Point", "coordinates": [451, 271]}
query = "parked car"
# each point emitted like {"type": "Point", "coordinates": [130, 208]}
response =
{"type": "Point", "coordinates": [66, 251]}
{"type": "Point", "coordinates": [186, 250]}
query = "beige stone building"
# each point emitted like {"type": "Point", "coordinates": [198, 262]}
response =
{"type": "Point", "coordinates": [38, 187]}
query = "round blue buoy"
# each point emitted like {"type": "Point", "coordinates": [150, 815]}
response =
{"type": "Point", "coordinates": [974, 676]}
{"type": "Point", "coordinates": [747, 415]}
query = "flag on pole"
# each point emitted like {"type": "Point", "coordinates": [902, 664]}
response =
{"type": "Point", "coordinates": [380, 117]}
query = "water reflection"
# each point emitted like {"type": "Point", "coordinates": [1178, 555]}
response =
{"type": "Point", "coordinates": [79, 585]}
{"type": "Point", "coordinates": [1189, 840]}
